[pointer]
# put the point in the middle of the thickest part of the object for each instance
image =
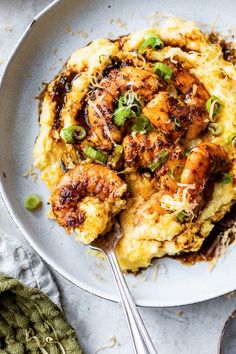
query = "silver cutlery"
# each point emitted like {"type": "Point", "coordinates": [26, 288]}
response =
{"type": "Point", "coordinates": [141, 340]}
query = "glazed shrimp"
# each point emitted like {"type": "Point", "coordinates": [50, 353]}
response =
{"type": "Point", "coordinates": [101, 104]}
{"type": "Point", "coordinates": [89, 190]}
{"type": "Point", "coordinates": [204, 160]}
{"type": "Point", "coordinates": [140, 150]}
{"type": "Point", "coordinates": [168, 114]}
{"type": "Point", "coordinates": [184, 81]}
{"type": "Point", "coordinates": [195, 97]}
{"type": "Point", "coordinates": [184, 116]}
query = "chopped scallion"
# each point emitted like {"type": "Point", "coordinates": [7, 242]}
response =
{"type": "Point", "coordinates": [95, 154]}
{"type": "Point", "coordinates": [159, 160]}
{"type": "Point", "coordinates": [187, 152]}
{"type": "Point", "coordinates": [163, 71]}
{"type": "Point", "coordinates": [151, 40]}
{"type": "Point", "coordinates": [175, 171]}
{"type": "Point", "coordinates": [213, 106]}
{"type": "Point", "coordinates": [73, 134]}
{"type": "Point", "coordinates": [181, 216]}
{"type": "Point", "coordinates": [215, 128]}
{"type": "Point", "coordinates": [120, 116]}
{"type": "Point", "coordinates": [128, 106]}
{"type": "Point", "coordinates": [177, 123]}
{"type": "Point", "coordinates": [232, 140]}
{"type": "Point", "coordinates": [116, 155]}
{"type": "Point", "coordinates": [102, 58]}
{"type": "Point", "coordinates": [32, 202]}
{"type": "Point", "coordinates": [142, 125]}
{"type": "Point", "coordinates": [226, 179]}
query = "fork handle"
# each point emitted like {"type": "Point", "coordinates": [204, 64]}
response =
{"type": "Point", "coordinates": [141, 340]}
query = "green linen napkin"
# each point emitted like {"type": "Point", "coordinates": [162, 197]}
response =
{"type": "Point", "coordinates": [31, 323]}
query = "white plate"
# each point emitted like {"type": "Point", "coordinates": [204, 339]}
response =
{"type": "Point", "coordinates": [36, 60]}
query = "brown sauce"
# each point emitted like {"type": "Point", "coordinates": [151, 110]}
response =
{"type": "Point", "coordinates": [209, 247]}
{"type": "Point", "coordinates": [59, 91]}
{"type": "Point", "coordinates": [82, 118]}
{"type": "Point", "coordinates": [116, 63]}
{"type": "Point", "coordinates": [228, 48]}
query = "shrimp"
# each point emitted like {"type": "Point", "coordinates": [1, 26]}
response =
{"type": "Point", "coordinates": [140, 150]}
{"type": "Point", "coordinates": [101, 104]}
{"type": "Point", "coordinates": [184, 116]}
{"type": "Point", "coordinates": [85, 191]}
{"type": "Point", "coordinates": [168, 114]}
{"type": "Point", "coordinates": [204, 160]}
{"type": "Point", "coordinates": [188, 84]}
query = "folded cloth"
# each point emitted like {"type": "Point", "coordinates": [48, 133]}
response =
{"type": "Point", "coordinates": [29, 321]}
{"type": "Point", "coordinates": [20, 262]}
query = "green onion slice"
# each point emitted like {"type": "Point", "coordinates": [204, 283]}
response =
{"type": "Point", "coordinates": [232, 140]}
{"type": "Point", "coordinates": [159, 160]}
{"type": "Point", "coordinates": [116, 154]}
{"type": "Point", "coordinates": [226, 179]}
{"type": "Point", "coordinates": [181, 216]}
{"type": "Point", "coordinates": [213, 106]}
{"type": "Point", "coordinates": [120, 115]}
{"type": "Point", "coordinates": [95, 154]}
{"type": "Point", "coordinates": [102, 58]}
{"type": "Point", "coordinates": [142, 125]}
{"type": "Point", "coordinates": [150, 40]}
{"type": "Point", "coordinates": [177, 123]}
{"type": "Point", "coordinates": [128, 106]}
{"type": "Point", "coordinates": [163, 71]}
{"type": "Point", "coordinates": [215, 128]}
{"type": "Point", "coordinates": [172, 173]}
{"type": "Point", "coordinates": [32, 202]}
{"type": "Point", "coordinates": [73, 134]}
{"type": "Point", "coordinates": [187, 152]}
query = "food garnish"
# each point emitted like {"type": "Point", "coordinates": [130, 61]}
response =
{"type": "Point", "coordinates": [95, 154]}
{"type": "Point", "coordinates": [32, 202]}
{"type": "Point", "coordinates": [73, 134]}
{"type": "Point", "coordinates": [151, 41]}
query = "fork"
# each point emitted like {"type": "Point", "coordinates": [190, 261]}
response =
{"type": "Point", "coordinates": [141, 340]}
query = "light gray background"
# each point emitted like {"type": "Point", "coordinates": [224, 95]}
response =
{"type": "Point", "coordinates": [191, 329]}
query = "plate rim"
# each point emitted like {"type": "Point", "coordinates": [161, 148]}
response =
{"type": "Point", "coordinates": [81, 284]}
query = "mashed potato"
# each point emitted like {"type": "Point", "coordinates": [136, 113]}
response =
{"type": "Point", "coordinates": [145, 235]}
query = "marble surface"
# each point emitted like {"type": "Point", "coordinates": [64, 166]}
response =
{"type": "Point", "coordinates": [191, 329]}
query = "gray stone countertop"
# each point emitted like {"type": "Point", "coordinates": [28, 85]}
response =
{"type": "Point", "coordinates": [99, 323]}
